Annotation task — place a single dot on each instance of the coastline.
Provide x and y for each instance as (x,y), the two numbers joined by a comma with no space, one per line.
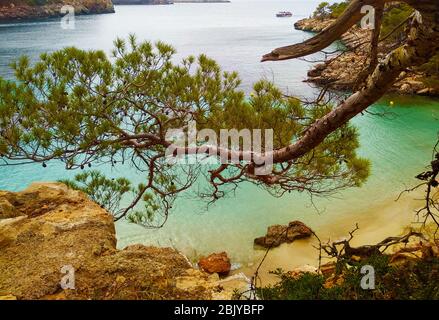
(339,72)
(202,1)
(382,220)
(22,12)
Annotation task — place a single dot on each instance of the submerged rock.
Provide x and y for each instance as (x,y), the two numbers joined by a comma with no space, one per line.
(278,234)
(53,227)
(216,263)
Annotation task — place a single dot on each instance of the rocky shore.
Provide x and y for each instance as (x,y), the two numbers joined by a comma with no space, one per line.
(48,227)
(341,72)
(18,10)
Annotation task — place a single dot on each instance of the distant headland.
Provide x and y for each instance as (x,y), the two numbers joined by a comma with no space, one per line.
(22,10)
(202,1)
(142,2)
(158,2)
(17,10)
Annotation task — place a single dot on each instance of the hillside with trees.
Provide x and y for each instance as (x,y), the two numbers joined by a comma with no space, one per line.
(16,10)
(340,70)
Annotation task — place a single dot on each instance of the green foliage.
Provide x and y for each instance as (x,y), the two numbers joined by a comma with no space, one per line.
(330,11)
(431,70)
(308,286)
(322,11)
(81,107)
(338,8)
(394,15)
(108,193)
(419,280)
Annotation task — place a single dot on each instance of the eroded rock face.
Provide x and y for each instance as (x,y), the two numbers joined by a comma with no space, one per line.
(341,72)
(27,10)
(7,210)
(48,226)
(278,234)
(216,263)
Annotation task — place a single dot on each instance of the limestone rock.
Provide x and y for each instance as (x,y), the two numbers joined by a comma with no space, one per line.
(222,289)
(7,210)
(313,25)
(298,272)
(57,227)
(278,234)
(341,72)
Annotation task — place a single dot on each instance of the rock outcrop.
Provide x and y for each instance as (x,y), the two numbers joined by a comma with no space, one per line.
(48,226)
(16,10)
(341,72)
(278,234)
(216,263)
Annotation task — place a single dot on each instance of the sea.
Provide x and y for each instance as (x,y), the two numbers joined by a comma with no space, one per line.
(237,34)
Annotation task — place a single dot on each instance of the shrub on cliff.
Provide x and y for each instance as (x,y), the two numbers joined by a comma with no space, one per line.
(419,280)
(392,25)
(431,70)
(330,11)
(394,16)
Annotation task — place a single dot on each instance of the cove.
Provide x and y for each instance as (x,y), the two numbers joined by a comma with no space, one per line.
(398,144)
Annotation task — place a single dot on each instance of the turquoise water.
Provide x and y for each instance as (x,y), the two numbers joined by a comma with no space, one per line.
(237,34)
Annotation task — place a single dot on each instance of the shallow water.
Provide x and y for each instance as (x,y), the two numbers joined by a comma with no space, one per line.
(237,35)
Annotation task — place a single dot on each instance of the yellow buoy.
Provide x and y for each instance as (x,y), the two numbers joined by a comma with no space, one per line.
(392,103)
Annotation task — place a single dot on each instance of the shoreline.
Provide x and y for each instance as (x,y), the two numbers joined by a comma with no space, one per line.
(382,220)
(339,73)
(21,12)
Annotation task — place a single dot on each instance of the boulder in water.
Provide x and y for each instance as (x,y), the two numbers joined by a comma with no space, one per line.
(278,234)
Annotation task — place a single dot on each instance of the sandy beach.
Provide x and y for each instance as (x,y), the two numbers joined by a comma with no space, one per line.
(381,220)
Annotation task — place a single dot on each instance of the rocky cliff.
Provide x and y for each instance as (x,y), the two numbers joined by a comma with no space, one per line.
(341,72)
(13,10)
(48,227)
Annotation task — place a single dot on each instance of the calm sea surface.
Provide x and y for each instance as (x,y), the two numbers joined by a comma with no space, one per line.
(236,35)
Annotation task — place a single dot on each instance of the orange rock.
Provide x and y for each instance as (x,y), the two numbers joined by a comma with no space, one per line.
(215,263)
